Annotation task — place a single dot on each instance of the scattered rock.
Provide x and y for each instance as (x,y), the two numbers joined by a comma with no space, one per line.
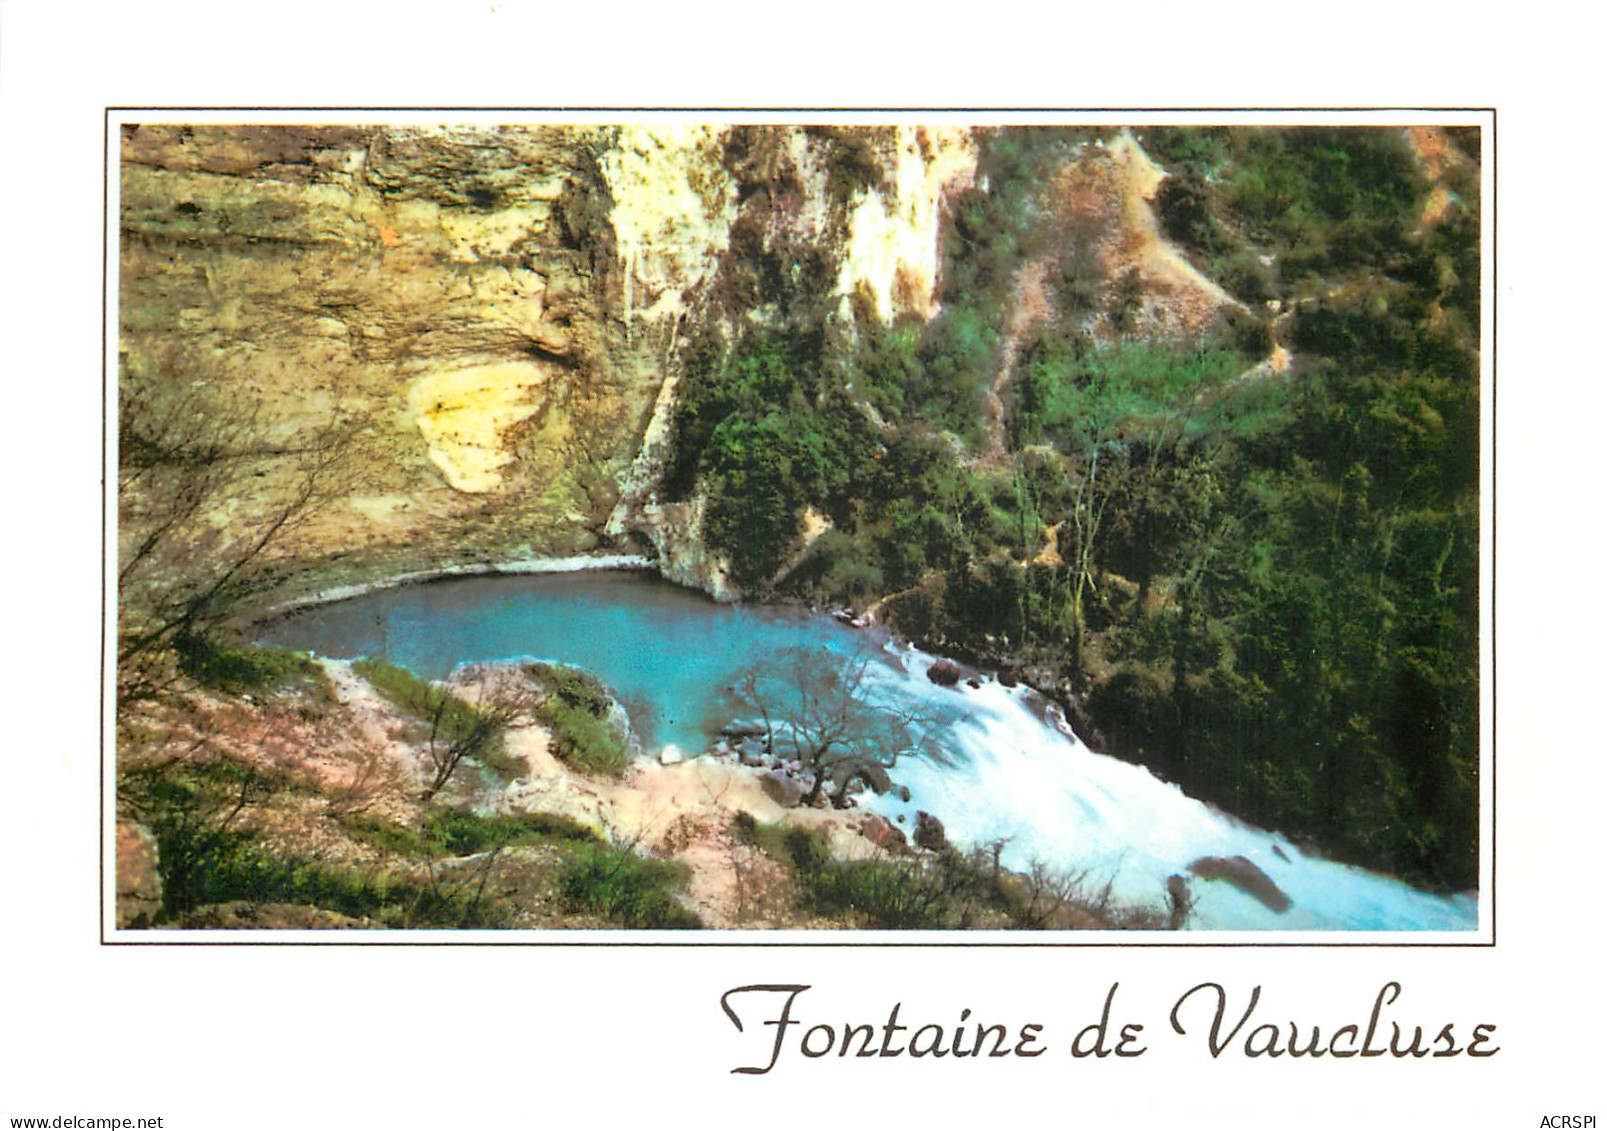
(883,835)
(1073,720)
(781,789)
(740,730)
(670,755)
(1007,678)
(750,753)
(974,684)
(944,673)
(139,885)
(1280,853)
(1243,874)
(865,774)
(904,795)
(929,832)
(1180,901)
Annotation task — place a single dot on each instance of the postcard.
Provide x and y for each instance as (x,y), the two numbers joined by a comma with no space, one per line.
(896,604)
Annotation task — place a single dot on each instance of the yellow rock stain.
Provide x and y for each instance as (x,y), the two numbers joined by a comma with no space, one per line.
(464,416)
(893,241)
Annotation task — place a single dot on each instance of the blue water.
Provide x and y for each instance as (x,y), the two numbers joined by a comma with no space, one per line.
(668,653)
(1000,768)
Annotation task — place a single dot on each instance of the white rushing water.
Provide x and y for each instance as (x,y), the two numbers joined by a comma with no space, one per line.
(1036,787)
(998,771)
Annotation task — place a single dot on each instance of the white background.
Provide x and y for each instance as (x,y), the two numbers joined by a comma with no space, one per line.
(248,1037)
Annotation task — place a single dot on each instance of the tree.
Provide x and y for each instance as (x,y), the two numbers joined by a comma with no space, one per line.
(461,729)
(818,706)
(200,514)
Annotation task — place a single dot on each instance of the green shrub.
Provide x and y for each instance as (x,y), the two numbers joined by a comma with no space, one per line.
(770,837)
(400,687)
(206,855)
(902,894)
(576,712)
(1184,205)
(238,670)
(585,741)
(462,832)
(387,836)
(631,890)
(455,719)
(909,893)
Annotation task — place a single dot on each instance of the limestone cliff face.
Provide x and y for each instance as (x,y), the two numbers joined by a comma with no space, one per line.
(756,199)
(502,308)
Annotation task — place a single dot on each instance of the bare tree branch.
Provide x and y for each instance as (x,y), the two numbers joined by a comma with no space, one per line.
(818,706)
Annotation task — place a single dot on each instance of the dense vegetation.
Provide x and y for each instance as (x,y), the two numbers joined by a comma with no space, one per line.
(631,890)
(1266,589)
(236,669)
(935,891)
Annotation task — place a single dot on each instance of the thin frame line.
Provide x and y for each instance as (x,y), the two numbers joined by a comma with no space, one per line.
(825,944)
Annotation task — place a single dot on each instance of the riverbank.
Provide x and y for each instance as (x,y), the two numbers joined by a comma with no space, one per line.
(576,563)
(320,805)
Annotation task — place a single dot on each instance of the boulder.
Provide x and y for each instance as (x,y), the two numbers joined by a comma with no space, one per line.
(1243,874)
(857,775)
(740,730)
(944,673)
(1083,725)
(781,789)
(1179,900)
(929,832)
(883,835)
(670,755)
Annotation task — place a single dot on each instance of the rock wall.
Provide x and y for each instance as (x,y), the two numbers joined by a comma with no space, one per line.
(501,309)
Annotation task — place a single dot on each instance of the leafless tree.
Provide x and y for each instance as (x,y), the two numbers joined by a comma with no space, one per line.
(370,776)
(199,514)
(468,716)
(817,704)
(1045,891)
